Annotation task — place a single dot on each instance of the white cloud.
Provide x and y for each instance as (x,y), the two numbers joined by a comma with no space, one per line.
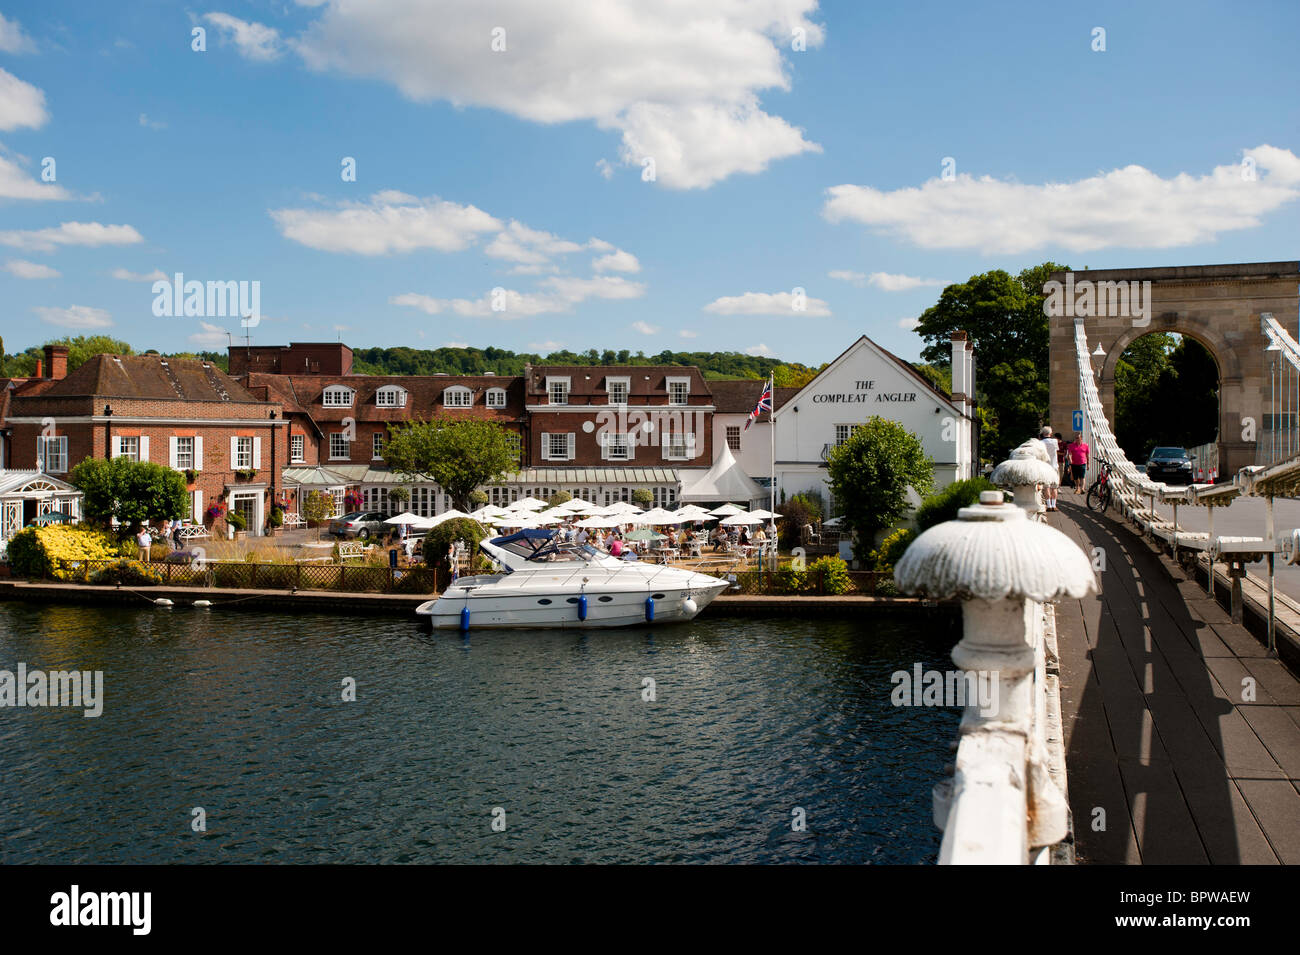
(456,345)
(605,168)
(618,261)
(21,104)
(388,222)
(254,41)
(891,282)
(687,333)
(71,233)
(74,316)
(845,275)
(680,81)
(12,37)
(148,123)
(30,270)
(528,247)
(544,347)
(907,324)
(209,336)
(128,276)
(1130,207)
(764,303)
(760,351)
(16,184)
(560,294)
(644,328)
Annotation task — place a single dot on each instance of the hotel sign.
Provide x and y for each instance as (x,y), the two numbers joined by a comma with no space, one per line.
(864,391)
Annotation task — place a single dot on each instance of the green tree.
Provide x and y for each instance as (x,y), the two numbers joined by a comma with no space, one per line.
(1003,315)
(457,454)
(642,497)
(317,508)
(130,491)
(870,474)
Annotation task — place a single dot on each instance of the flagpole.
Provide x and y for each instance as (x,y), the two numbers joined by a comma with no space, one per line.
(771,427)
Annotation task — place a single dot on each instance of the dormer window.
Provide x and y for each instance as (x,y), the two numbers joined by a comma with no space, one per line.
(390,396)
(457,396)
(618,389)
(337,396)
(496,397)
(679,391)
(557,391)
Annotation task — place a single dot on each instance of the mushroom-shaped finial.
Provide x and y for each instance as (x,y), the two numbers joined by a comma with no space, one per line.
(993,552)
(1022,471)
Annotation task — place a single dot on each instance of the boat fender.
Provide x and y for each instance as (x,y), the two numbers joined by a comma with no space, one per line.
(464,618)
(650,609)
(582,606)
(203,603)
(689,606)
(162,602)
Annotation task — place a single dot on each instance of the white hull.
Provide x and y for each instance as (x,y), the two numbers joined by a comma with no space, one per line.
(546,601)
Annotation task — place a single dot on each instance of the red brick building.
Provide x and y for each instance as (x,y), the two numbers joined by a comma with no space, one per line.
(181,413)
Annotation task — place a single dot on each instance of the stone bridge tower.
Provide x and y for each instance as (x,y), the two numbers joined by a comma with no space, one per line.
(1218,305)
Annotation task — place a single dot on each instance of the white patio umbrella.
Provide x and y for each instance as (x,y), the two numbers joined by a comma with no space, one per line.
(657,515)
(738,519)
(622,507)
(576,506)
(427,522)
(486,513)
(763,514)
(726,510)
(406,517)
(833,522)
(600,521)
(693,512)
(528,504)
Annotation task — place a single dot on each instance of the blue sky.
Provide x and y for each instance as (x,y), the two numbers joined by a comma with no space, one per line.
(521,169)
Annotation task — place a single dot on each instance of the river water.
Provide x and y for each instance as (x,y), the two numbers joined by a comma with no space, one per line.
(549,734)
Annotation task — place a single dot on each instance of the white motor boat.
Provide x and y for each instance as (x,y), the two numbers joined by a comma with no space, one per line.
(548,583)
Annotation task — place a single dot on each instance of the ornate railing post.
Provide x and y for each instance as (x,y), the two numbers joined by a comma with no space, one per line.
(1023,472)
(1001,801)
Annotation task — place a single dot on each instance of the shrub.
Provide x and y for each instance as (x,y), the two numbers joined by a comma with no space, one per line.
(559,497)
(398,496)
(37,551)
(129,572)
(277,517)
(439,539)
(885,587)
(236,520)
(891,549)
(788,580)
(643,497)
(944,505)
(833,574)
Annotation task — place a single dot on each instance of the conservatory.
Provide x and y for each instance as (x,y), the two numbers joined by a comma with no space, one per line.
(28,495)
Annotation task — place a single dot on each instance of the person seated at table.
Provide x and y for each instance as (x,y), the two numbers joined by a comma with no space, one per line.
(671,540)
(615,547)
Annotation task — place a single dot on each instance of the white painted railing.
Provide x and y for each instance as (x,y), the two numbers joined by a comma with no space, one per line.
(1006,800)
(1136,495)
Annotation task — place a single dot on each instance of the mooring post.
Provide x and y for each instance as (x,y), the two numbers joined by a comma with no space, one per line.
(1001,801)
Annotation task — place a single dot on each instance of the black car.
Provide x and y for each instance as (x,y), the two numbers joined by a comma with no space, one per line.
(1171,465)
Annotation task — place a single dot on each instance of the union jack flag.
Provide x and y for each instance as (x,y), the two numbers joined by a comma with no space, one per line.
(764,404)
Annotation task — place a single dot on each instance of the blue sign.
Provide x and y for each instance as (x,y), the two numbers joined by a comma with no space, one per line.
(1076,422)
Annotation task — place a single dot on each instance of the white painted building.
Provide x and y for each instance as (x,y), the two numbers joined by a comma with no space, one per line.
(864,382)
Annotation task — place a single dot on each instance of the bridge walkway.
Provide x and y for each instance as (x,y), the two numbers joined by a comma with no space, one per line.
(1157,733)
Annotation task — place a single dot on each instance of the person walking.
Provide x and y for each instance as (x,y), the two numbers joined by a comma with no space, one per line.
(1078,451)
(1053,453)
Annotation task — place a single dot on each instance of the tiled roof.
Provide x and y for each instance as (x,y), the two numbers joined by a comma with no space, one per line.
(740,397)
(149,376)
(643,380)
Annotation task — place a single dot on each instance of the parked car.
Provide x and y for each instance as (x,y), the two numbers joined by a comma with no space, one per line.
(362,525)
(1171,465)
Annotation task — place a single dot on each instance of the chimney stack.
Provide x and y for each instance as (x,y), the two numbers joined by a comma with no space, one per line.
(56,361)
(960,384)
(40,369)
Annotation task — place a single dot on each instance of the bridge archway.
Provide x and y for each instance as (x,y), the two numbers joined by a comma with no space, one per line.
(1218,305)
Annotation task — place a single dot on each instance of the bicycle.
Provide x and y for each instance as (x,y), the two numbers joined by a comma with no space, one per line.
(1099,492)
